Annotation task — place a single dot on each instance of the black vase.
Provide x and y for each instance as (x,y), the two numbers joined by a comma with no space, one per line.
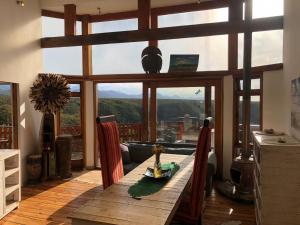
(151,60)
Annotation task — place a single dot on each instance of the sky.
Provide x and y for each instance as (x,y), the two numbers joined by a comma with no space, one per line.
(126,58)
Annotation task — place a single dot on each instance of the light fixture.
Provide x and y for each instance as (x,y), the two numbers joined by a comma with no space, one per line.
(99,10)
(20,3)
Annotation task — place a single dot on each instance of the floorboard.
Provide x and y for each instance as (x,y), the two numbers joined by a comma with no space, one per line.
(51,202)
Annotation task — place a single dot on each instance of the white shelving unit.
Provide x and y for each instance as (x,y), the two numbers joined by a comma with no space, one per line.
(276,180)
(10,192)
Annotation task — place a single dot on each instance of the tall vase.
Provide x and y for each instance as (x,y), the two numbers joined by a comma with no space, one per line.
(47,137)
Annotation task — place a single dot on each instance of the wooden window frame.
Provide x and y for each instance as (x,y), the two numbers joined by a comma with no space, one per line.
(82,135)
(237,93)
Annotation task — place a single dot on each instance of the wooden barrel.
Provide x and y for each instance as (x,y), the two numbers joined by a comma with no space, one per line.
(34,168)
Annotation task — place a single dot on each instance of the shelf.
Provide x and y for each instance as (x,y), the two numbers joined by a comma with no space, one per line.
(11,205)
(10,172)
(10,188)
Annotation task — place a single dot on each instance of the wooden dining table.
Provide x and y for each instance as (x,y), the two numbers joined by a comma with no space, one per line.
(115,206)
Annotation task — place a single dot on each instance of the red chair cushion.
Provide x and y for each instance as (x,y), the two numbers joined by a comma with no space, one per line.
(110,153)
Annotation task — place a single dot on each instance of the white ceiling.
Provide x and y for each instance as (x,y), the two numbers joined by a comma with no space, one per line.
(107,6)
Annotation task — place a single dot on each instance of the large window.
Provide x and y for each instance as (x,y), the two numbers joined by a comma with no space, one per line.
(116,25)
(179,116)
(197,17)
(267,8)
(124,100)
(213,51)
(70,123)
(8,116)
(122,58)
(255,110)
(267,48)
(67,60)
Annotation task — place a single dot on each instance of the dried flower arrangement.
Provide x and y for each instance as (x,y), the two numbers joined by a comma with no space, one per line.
(50,93)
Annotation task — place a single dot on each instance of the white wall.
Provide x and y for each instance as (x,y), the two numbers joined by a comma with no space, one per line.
(90,123)
(291,52)
(274,104)
(227,125)
(20,62)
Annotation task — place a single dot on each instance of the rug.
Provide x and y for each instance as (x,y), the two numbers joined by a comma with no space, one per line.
(232,223)
(147,186)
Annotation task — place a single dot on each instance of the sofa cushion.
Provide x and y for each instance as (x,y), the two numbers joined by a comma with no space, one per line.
(140,152)
(125,154)
(179,151)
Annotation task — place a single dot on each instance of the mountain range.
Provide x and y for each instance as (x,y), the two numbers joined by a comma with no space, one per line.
(119,94)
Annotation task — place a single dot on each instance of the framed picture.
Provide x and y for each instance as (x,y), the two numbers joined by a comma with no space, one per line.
(184,63)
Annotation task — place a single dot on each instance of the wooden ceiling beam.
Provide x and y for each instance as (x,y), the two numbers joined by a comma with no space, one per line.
(70,19)
(199,30)
(235,14)
(144,14)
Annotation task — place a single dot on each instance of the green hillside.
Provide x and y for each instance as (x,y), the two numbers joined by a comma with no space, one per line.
(5,110)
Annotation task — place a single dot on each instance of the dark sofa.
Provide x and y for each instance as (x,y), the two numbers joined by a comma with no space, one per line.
(136,153)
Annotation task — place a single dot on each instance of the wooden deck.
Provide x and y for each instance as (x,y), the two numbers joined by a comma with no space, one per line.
(51,203)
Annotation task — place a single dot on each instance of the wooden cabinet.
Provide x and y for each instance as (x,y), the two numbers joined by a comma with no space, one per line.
(276,180)
(10,194)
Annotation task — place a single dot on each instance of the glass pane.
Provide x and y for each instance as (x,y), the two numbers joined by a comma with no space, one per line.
(71,117)
(6,116)
(254,116)
(240,122)
(118,58)
(53,27)
(213,115)
(179,116)
(66,61)
(267,48)
(213,51)
(74,87)
(124,100)
(189,18)
(117,25)
(267,8)
(255,84)
(71,125)
(255,113)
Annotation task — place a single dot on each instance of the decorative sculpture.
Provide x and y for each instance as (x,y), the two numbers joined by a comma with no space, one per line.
(157,150)
(151,60)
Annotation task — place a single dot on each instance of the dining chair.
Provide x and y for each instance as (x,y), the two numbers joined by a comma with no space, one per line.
(191,207)
(109,149)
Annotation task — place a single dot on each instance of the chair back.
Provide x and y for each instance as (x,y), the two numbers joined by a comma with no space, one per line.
(200,169)
(109,149)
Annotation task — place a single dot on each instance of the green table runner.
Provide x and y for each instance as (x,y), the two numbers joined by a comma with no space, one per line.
(147,186)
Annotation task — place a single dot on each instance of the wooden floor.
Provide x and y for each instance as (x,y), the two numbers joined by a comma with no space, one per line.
(52,202)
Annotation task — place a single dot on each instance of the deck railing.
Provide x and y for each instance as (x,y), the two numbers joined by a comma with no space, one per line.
(130,132)
(127,132)
(6,136)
